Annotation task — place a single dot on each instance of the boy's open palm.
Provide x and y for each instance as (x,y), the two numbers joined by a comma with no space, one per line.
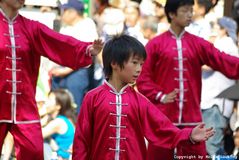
(200,133)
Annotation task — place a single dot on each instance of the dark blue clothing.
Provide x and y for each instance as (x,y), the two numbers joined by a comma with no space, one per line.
(77,83)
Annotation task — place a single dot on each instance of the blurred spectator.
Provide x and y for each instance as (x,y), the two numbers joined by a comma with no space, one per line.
(84,29)
(235,153)
(216,111)
(132,20)
(163,24)
(147,7)
(235,11)
(200,26)
(149,27)
(59,106)
(216,11)
(236,143)
(109,18)
(132,14)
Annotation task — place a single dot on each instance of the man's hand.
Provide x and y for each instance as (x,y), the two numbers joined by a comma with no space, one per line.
(96,47)
(200,133)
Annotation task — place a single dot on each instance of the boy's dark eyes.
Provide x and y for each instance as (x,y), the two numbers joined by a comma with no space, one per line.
(138,62)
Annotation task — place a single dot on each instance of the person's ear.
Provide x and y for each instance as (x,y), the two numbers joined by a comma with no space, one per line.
(114,65)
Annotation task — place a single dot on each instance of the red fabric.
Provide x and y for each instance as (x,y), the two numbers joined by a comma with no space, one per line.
(160,71)
(32,40)
(28,141)
(185,150)
(139,118)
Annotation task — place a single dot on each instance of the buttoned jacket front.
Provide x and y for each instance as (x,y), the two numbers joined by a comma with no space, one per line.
(175,62)
(22,43)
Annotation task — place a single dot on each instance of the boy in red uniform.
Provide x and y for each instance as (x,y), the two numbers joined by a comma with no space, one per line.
(171,75)
(115,118)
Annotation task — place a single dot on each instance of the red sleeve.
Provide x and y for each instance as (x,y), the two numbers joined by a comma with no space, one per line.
(146,81)
(84,132)
(217,60)
(62,49)
(159,130)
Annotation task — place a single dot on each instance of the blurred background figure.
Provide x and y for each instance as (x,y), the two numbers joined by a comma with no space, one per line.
(75,24)
(132,20)
(61,126)
(217,111)
(200,26)
(149,27)
(163,24)
(236,143)
(109,17)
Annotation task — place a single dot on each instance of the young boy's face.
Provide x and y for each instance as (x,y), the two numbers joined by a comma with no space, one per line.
(131,70)
(183,17)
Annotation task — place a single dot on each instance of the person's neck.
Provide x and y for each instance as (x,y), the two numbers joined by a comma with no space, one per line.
(176,29)
(9,13)
(116,83)
(55,114)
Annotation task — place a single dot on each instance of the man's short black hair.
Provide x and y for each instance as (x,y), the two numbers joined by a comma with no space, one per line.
(172,6)
(119,49)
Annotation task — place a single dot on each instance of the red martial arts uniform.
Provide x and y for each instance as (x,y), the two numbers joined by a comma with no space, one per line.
(112,125)
(175,63)
(22,42)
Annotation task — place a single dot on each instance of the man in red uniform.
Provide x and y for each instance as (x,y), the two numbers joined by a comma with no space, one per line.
(171,75)
(22,42)
(114,118)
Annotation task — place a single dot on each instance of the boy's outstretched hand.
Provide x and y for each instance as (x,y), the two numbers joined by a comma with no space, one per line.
(200,133)
(96,47)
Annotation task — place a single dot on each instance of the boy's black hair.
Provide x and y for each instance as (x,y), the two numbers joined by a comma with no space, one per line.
(172,6)
(119,49)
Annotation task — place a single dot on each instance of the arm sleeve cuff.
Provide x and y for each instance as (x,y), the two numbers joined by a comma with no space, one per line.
(88,50)
(158,96)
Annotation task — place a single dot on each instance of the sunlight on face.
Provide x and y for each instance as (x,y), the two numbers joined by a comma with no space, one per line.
(51,102)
